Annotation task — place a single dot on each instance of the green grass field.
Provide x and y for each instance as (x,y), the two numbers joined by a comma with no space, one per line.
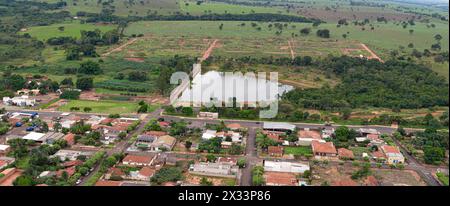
(302,150)
(106,107)
(443,178)
(222,8)
(72,29)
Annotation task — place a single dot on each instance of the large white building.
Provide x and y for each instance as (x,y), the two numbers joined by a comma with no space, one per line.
(21,101)
(292,167)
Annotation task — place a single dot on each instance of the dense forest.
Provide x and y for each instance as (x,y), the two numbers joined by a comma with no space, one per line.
(394,84)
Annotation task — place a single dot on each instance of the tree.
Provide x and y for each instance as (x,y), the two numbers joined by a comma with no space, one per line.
(343,134)
(87,109)
(138,76)
(258,176)
(110,161)
(437,37)
(241,162)
(345,113)
(167,174)
(90,68)
(434,155)
(24,180)
(188,145)
(211,158)
(305,31)
(204,182)
(264,142)
(85,83)
(323,33)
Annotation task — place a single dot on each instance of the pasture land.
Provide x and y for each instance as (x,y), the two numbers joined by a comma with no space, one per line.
(70,28)
(193,8)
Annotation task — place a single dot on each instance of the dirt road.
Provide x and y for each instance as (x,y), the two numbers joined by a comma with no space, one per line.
(209,50)
(373,55)
(129,42)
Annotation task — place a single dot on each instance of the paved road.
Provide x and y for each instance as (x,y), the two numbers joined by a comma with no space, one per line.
(413,164)
(251,155)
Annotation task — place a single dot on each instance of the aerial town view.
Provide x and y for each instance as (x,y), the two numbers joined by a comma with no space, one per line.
(172,93)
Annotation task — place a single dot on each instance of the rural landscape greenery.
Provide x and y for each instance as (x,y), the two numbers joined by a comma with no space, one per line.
(351,62)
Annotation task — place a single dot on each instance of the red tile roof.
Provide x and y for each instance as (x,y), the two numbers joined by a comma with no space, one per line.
(234,126)
(147,171)
(232,160)
(106,121)
(114,171)
(373,136)
(164,124)
(309,134)
(323,147)
(72,163)
(280,178)
(342,152)
(137,159)
(2,163)
(277,150)
(389,149)
(156,133)
(378,154)
(70,138)
(70,171)
(108,183)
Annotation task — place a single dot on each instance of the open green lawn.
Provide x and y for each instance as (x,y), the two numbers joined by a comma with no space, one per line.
(106,107)
(302,150)
(443,178)
(71,28)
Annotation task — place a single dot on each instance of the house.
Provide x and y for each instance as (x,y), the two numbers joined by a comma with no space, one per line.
(28,92)
(162,143)
(323,149)
(70,139)
(35,136)
(393,154)
(6,161)
(108,183)
(155,133)
(280,179)
(22,101)
(328,133)
(234,126)
(72,163)
(70,171)
(275,136)
(291,167)
(278,126)
(306,136)
(378,156)
(71,154)
(214,169)
(9,175)
(375,139)
(51,137)
(275,151)
(164,124)
(68,123)
(46,174)
(345,154)
(144,174)
(225,144)
(209,134)
(231,135)
(211,115)
(141,161)
(4,149)
(365,131)
(143,140)
(227,160)
(115,172)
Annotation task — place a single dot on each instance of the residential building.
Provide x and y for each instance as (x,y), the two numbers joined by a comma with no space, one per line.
(209,134)
(144,174)
(393,154)
(280,179)
(328,133)
(6,161)
(71,154)
(22,101)
(345,154)
(278,126)
(227,160)
(323,149)
(211,115)
(234,126)
(35,136)
(306,136)
(4,149)
(214,169)
(140,161)
(70,139)
(275,151)
(162,143)
(291,167)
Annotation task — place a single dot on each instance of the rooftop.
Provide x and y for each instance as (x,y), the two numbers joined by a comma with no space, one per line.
(279,126)
(280,178)
(323,147)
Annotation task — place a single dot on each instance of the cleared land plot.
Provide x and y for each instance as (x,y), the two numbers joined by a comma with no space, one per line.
(106,107)
(298,150)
